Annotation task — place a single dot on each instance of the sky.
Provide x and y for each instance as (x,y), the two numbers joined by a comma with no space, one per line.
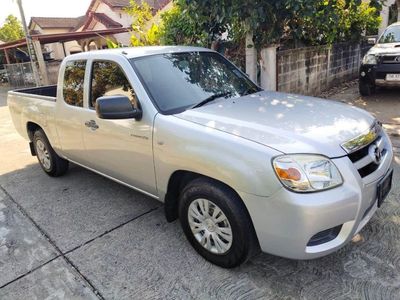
(44,8)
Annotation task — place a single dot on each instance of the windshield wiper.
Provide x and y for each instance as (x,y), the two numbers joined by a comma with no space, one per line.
(211,98)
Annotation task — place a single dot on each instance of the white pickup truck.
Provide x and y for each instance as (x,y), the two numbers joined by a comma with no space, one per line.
(243,169)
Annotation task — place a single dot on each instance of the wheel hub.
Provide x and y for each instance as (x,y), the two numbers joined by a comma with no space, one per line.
(210,226)
(43,154)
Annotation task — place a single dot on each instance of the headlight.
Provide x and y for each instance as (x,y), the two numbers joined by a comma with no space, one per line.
(370,59)
(307,172)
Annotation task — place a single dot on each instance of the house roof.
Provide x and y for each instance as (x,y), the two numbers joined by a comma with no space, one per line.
(117,3)
(81,21)
(101,18)
(155,4)
(63,37)
(45,22)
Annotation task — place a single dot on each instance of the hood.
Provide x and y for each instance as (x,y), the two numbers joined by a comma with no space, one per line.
(382,49)
(285,122)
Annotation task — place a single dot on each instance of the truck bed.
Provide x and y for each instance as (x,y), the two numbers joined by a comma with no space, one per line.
(44,92)
(34,105)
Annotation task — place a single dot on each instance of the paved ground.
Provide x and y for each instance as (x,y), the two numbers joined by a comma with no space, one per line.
(84,237)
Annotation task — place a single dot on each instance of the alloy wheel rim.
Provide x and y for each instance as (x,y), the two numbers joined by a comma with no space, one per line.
(43,154)
(210,226)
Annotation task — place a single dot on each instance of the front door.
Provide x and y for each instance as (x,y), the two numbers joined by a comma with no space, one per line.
(121,149)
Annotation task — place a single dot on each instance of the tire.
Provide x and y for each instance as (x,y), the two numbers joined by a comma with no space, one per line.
(365,88)
(222,249)
(51,163)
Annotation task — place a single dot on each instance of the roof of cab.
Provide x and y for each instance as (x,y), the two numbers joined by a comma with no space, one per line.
(133,52)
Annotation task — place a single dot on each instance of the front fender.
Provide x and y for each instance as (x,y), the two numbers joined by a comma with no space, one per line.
(242,164)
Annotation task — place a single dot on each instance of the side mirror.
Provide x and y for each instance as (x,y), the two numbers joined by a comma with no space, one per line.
(371,41)
(116,107)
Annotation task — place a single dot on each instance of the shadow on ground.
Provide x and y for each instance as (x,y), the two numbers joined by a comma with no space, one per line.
(384,104)
(119,241)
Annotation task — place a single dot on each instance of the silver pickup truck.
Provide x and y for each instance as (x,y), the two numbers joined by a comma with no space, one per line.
(243,169)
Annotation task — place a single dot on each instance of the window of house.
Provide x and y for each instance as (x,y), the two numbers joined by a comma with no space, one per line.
(108,79)
(74,78)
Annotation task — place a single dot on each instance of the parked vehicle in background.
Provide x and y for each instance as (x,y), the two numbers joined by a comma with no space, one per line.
(381,65)
(242,168)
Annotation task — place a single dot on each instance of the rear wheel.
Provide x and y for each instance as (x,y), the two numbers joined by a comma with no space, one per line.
(48,159)
(216,223)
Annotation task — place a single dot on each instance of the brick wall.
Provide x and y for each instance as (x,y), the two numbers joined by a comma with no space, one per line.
(312,70)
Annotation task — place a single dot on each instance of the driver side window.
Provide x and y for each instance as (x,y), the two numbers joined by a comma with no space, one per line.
(108,79)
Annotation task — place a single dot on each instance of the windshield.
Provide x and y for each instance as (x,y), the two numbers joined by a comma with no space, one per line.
(178,81)
(391,35)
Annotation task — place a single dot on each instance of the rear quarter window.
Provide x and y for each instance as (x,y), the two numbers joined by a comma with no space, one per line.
(74,77)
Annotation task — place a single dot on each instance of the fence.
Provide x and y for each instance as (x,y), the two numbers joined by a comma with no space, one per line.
(21,75)
(311,70)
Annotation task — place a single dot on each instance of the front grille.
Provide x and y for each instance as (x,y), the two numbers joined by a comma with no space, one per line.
(390,59)
(364,160)
(368,169)
(357,155)
(324,236)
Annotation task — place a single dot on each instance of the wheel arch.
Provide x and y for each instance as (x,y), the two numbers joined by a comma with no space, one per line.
(177,181)
(31,127)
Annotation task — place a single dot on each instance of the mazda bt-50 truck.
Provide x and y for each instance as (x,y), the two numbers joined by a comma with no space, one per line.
(243,169)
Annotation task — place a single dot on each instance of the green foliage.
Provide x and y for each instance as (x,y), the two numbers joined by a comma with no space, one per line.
(111,44)
(179,28)
(328,22)
(306,22)
(11,30)
(143,32)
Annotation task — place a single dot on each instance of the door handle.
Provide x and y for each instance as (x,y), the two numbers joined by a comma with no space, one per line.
(92,124)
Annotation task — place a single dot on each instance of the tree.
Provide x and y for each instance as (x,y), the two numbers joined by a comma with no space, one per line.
(178,28)
(11,30)
(144,33)
(264,23)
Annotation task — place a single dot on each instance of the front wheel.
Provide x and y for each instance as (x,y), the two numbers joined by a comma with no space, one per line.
(216,223)
(365,88)
(48,159)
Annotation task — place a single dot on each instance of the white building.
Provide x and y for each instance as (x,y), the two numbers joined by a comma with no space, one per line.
(39,25)
(101,14)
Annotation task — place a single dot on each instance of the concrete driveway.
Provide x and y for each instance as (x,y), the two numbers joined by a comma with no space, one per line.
(384,105)
(82,236)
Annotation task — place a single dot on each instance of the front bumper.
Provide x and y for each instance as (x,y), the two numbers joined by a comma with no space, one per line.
(286,222)
(376,74)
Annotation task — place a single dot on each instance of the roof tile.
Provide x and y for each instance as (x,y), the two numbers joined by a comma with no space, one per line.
(45,22)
